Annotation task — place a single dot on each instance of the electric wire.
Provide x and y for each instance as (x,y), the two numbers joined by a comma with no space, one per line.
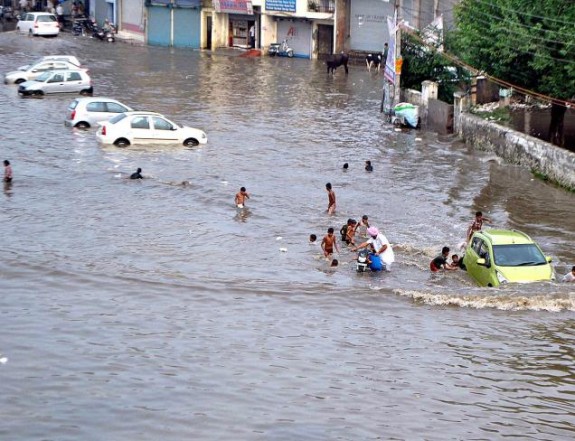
(565,103)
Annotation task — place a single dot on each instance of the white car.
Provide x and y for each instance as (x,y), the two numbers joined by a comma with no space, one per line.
(86,112)
(33,72)
(147,127)
(58,81)
(69,58)
(38,23)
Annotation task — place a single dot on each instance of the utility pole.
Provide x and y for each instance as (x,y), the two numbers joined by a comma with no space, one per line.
(397,89)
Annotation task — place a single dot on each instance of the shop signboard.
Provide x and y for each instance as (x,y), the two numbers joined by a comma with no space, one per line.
(234,6)
(281,5)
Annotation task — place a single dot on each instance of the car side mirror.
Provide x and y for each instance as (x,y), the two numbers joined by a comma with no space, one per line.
(34,70)
(549,259)
(481,262)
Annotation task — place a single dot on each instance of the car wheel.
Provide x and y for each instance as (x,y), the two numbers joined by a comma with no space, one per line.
(85,92)
(191,142)
(82,125)
(122,142)
(19,81)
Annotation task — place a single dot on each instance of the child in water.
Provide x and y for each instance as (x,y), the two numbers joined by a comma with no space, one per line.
(241,197)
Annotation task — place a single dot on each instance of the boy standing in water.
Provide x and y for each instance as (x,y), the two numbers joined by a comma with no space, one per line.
(328,243)
(331,199)
(476,224)
(241,197)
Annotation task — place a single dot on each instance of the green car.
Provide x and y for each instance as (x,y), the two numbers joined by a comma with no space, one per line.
(494,257)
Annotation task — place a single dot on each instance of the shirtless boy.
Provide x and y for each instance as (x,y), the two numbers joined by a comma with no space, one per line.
(241,197)
(331,199)
(328,243)
(476,224)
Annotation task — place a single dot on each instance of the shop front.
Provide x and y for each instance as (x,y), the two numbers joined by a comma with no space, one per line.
(242,22)
(174,23)
(298,34)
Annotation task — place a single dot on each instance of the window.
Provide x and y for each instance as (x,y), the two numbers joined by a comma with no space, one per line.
(74,76)
(161,124)
(115,108)
(46,18)
(140,122)
(96,107)
(117,118)
(58,78)
(29,17)
(476,244)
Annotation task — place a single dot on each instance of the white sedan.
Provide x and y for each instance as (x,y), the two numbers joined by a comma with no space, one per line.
(145,128)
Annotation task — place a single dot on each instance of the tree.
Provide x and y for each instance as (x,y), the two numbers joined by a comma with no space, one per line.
(529,43)
(423,62)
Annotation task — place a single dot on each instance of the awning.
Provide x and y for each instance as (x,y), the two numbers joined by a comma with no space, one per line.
(234,6)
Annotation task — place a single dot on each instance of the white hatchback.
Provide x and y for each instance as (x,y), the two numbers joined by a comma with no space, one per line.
(86,112)
(147,128)
(38,23)
(33,72)
(58,81)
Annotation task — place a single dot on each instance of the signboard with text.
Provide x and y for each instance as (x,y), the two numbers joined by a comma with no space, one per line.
(234,6)
(281,5)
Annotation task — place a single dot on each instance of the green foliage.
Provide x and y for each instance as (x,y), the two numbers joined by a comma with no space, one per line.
(421,63)
(530,43)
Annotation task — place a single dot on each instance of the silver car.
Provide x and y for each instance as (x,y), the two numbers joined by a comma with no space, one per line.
(86,112)
(58,81)
(33,72)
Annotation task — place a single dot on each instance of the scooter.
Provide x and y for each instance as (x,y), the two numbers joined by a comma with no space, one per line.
(281,50)
(362,263)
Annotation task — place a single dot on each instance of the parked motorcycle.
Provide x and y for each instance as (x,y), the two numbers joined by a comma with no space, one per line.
(281,50)
(90,27)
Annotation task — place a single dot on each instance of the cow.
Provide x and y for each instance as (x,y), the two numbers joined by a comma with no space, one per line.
(373,60)
(337,60)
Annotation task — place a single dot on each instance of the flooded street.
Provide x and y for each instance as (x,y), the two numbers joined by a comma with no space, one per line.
(154,310)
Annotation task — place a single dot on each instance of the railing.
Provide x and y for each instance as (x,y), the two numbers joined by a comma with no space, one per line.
(321,6)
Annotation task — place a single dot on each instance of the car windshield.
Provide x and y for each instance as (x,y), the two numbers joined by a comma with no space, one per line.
(45,76)
(518,255)
(117,118)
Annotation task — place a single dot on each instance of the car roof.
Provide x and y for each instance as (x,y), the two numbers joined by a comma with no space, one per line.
(506,237)
(95,98)
(136,112)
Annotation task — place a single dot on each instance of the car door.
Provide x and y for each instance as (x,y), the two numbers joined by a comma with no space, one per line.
(55,83)
(140,129)
(74,82)
(26,23)
(164,130)
(96,111)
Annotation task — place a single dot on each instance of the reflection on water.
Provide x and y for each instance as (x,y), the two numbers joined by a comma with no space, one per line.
(134,307)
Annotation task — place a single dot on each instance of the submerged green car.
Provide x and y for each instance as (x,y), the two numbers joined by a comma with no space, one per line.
(494,257)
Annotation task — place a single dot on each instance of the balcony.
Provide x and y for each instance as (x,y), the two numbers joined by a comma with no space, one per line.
(321,6)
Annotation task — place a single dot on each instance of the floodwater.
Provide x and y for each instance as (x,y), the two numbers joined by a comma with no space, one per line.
(154,310)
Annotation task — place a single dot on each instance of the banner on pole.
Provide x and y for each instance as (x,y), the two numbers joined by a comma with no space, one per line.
(389,71)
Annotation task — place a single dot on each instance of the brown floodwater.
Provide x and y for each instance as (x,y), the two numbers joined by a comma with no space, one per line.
(154,310)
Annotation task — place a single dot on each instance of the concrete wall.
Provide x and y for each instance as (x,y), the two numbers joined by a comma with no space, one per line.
(556,163)
(439,116)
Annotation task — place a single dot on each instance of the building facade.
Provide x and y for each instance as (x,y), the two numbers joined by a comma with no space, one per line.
(312,28)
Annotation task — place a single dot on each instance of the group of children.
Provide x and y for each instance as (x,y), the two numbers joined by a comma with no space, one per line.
(441,262)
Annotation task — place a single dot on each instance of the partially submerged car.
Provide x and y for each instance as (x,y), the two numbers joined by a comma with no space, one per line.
(86,112)
(494,257)
(69,58)
(34,71)
(58,81)
(147,128)
(38,23)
